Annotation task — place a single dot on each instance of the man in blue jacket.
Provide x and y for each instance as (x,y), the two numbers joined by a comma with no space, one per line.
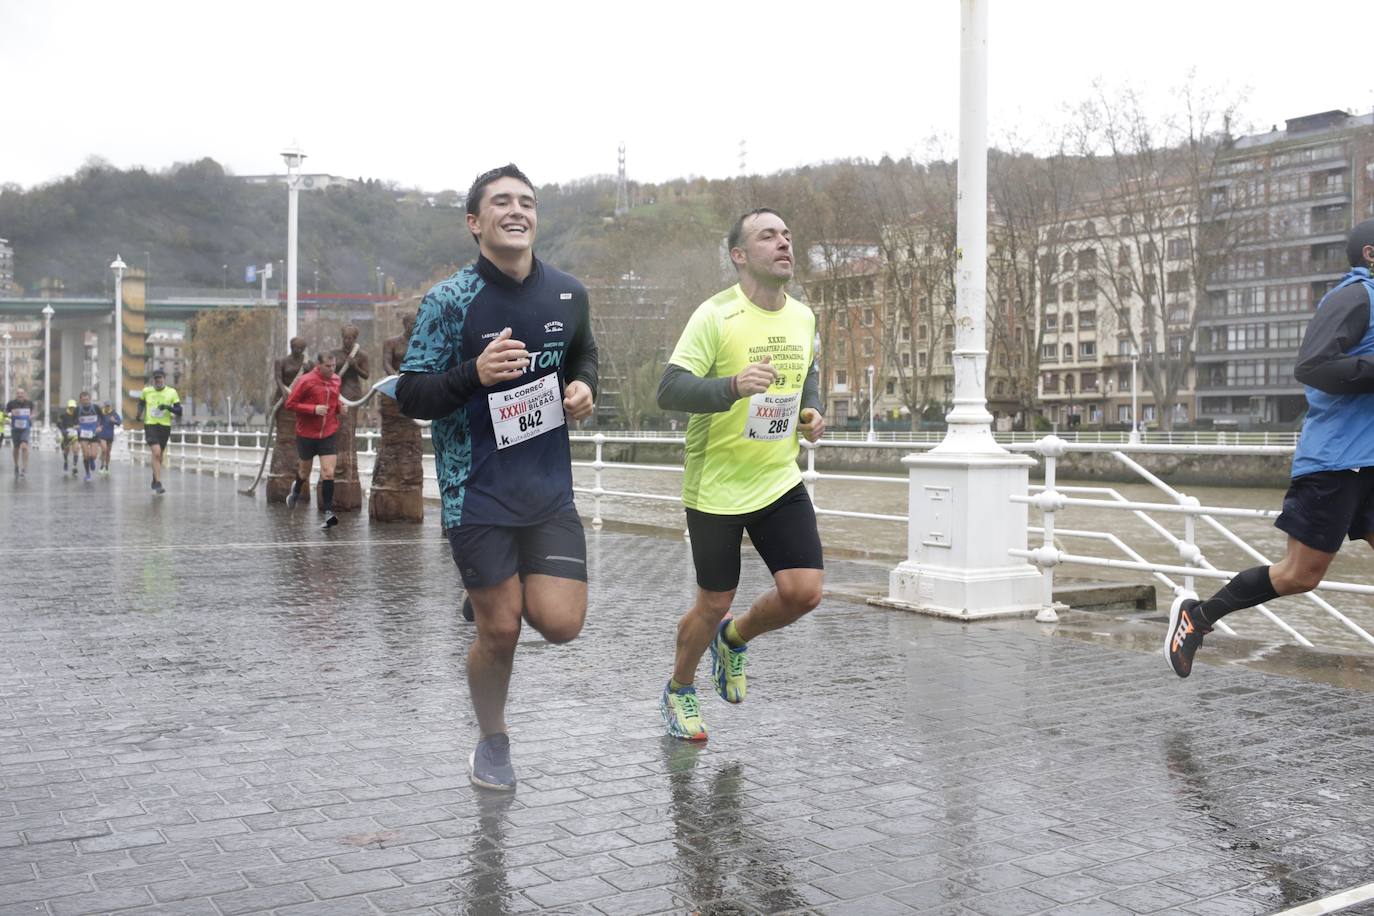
(1331,497)
(501,358)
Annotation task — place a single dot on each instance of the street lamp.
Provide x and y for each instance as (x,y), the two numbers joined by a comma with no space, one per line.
(380,275)
(7,340)
(293,158)
(225,268)
(117,400)
(871,437)
(1135,421)
(47,367)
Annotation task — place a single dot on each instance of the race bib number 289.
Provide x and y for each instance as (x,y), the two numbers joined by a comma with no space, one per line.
(525,412)
(772,416)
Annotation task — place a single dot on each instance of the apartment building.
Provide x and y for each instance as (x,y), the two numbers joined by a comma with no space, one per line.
(1296,193)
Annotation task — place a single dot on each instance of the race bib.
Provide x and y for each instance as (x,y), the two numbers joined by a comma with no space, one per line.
(525,412)
(772,416)
(20,419)
(159,412)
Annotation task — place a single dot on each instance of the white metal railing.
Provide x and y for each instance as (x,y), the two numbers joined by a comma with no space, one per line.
(238,454)
(1051,498)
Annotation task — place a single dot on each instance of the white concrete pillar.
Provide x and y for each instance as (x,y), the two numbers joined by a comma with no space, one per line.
(961,521)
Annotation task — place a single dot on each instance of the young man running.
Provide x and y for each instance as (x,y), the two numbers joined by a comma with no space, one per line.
(315,399)
(156,406)
(501,356)
(1331,497)
(108,421)
(20,409)
(66,438)
(87,428)
(745,369)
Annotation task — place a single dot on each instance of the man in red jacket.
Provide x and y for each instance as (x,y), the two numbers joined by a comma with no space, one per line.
(315,399)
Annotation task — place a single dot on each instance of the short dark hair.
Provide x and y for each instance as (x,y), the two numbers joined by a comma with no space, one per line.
(732,240)
(1360,236)
(325,355)
(159,372)
(509,170)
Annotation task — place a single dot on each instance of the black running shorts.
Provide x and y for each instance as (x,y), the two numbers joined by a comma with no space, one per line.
(784,534)
(157,434)
(1323,509)
(307,448)
(488,555)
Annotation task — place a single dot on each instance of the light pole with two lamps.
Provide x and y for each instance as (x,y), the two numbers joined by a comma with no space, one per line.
(6,338)
(47,367)
(871,436)
(293,157)
(117,401)
(1135,417)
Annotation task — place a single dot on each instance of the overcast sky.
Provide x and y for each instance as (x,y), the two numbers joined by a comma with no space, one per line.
(428,94)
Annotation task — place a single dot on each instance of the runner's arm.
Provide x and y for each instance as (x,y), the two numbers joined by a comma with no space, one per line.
(142,406)
(584,356)
(1336,327)
(679,389)
(811,389)
(434,395)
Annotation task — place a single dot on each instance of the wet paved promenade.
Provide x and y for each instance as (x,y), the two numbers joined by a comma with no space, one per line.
(209,706)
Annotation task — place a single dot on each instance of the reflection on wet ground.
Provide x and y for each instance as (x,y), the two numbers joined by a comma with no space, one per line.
(208,705)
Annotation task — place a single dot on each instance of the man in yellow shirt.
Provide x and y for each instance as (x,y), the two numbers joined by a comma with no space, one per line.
(158,403)
(745,369)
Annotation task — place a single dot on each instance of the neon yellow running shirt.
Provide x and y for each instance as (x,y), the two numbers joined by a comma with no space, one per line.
(745,458)
(159,405)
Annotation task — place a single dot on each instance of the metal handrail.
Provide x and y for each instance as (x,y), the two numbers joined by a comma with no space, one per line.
(237,453)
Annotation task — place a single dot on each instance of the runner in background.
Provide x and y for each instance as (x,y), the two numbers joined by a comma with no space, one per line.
(108,421)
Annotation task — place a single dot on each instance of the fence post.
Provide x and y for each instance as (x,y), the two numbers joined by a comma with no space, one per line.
(1049,500)
(597,490)
(809,475)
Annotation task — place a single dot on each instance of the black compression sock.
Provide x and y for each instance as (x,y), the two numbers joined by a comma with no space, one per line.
(1247,589)
(296,486)
(327,495)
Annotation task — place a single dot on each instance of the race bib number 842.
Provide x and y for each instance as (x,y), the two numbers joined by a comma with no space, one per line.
(525,412)
(772,416)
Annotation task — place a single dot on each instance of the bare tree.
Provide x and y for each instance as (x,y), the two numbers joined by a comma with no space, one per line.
(1169,222)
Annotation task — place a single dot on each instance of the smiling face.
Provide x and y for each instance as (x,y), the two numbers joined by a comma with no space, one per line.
(765,249)
(506,220)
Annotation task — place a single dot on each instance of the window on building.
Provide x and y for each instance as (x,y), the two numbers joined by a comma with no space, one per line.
(1177,248)
(905,333)
(1287,334)
(946,357)
(1151,285)
(868,347)
(1046,264)
(1051,294)
(1068,321)
(1068,260)
(949,332)
(842,318)
(891,386)
(1124,226)
(841,378)
(1123,413)
(1049,352)
(1087,349)
(841,347)
(1087,321)
(921,360)
(1087,259)
(1123,379)
(868,318)
(1123,256)
(1089,381)
(1087,290)
(1068,352)
(1067,292)
(922,332)
(1051,321)
(1178,281)
(1147,413)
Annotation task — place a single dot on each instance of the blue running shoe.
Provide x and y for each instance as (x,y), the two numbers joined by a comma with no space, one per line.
(489,765)
(727,666)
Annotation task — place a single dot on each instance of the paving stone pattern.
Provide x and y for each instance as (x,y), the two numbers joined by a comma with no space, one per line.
(209,706)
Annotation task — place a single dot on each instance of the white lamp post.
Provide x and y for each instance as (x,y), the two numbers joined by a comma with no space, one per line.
(7,340)
(958,564)
(871,436)
(47,367)
(117,401)
(1135,417)
(293,157)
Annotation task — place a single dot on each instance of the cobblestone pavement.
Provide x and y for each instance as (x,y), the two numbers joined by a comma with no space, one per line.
(210,706)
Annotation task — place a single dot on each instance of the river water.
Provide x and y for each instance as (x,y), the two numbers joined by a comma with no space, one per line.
(885,541)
